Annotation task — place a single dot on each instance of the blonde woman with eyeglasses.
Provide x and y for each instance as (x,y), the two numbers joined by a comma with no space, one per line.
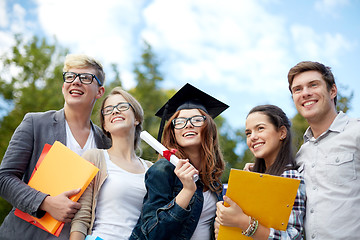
(112,203)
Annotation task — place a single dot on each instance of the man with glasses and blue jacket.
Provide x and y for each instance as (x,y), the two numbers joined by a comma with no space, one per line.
(83,85)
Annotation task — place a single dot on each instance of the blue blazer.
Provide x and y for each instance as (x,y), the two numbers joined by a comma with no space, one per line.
(18,163)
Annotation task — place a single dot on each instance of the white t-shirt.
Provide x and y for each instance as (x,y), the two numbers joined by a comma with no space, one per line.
(119,202)
(74,146)
(203,229)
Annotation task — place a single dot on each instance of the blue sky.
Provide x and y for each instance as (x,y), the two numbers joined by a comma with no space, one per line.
(239,51)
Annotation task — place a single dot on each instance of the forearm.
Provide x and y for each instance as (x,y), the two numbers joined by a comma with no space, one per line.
(20,195)
(184,197)
(82,221)
(77,236)
(262,233)
(259,233)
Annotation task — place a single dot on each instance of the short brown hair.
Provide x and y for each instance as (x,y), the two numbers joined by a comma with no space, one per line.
(313,66)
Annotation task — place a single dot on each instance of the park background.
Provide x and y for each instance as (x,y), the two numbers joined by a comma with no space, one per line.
(239,51)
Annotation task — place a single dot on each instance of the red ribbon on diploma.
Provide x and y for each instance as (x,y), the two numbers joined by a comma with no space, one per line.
(167,153)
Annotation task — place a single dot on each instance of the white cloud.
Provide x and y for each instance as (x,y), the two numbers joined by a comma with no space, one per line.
(239,50)
(312,45)
(6,40)
(330,7)
(12,21)
(105,31)
(226,43)
(4,21)
(18,22)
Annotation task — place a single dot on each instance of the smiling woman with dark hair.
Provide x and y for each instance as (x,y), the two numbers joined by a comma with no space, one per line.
(268,137)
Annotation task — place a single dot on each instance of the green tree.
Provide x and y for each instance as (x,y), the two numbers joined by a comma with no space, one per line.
(229,141)
(30,80)
(149,94)
(35,85)
(109,85)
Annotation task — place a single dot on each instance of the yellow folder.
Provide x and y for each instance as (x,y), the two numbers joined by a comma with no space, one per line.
(267,198)
(60,170)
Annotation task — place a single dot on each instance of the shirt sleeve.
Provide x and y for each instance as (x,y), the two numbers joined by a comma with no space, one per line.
(295,228)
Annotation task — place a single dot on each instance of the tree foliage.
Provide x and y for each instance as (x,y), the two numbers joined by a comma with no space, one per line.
(149,94)
(29,81)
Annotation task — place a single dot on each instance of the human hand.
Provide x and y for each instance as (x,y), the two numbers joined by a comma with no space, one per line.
(216,228)
(249,167)
(184,170)
(61,207)
(232,216)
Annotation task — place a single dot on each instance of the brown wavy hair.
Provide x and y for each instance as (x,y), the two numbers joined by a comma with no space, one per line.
(212,163)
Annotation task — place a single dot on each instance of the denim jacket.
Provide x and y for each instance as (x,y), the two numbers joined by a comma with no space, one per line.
(161,216)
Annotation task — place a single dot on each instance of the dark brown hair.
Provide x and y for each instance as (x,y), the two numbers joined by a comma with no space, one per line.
(285,159)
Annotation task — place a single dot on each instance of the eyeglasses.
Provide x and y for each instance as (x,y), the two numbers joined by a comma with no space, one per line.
(85,78)
(122,106)
(196,121)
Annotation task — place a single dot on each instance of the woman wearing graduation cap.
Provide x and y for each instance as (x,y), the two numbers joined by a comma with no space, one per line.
(176,207)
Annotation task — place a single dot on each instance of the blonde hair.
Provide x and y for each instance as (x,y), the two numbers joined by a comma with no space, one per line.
(84,61)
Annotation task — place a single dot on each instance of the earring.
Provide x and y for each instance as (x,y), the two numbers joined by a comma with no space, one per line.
(282,138)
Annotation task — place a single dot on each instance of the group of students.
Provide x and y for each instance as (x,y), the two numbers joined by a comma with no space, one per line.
(131,198)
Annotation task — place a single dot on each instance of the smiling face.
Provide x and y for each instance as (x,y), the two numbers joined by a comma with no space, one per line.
(189,136)
(119,120)
(262,137)
(77,94)
(312,98)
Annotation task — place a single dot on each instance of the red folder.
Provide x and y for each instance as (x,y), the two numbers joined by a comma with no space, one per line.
(58,169)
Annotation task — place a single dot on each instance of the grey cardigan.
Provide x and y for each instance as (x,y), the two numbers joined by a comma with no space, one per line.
(18,163)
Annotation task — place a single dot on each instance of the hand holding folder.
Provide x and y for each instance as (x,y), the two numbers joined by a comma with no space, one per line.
(267,198)
(58,170)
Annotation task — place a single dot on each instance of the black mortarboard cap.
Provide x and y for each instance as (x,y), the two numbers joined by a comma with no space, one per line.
(189,97)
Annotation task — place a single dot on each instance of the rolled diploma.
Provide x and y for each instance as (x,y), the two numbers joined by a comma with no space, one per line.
(144,135)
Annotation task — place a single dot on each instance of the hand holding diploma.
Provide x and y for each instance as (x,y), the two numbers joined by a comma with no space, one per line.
(144,135)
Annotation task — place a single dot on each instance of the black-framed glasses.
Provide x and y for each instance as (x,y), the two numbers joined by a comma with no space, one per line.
(122,106)
(85,78)
(196,121)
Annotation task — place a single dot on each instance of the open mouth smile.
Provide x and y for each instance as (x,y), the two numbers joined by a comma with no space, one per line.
(76,92)
(190,134)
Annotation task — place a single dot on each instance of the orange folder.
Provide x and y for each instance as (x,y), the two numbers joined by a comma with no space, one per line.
(267,198)
(58,170)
